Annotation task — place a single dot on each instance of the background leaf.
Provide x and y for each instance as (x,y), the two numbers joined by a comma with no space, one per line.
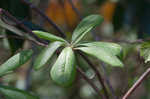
(63,71)
(145,51)
(15,61)
(46,54)
(85,26)
(102,54)
(14,93)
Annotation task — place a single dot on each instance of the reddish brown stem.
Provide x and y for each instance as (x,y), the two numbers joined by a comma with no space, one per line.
(136,85)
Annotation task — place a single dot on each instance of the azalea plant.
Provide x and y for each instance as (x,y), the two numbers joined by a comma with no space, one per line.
(73,55)
(63,71)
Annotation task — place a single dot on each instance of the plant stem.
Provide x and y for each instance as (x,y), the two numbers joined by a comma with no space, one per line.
(108,82)
(75,9)
(97,73)
(22,38)
(137,83)
(62,34)
(89,81)
(20,24)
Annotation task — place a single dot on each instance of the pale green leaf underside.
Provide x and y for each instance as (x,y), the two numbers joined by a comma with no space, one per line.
(15,61)
(46,54)
(48,36)
(113,48)
(63,71)
(102,54)
(13,93)
(85,26)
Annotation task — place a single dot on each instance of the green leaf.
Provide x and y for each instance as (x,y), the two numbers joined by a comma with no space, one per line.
(14,93)
(48,36)
(145,51)
(113,48)
(102,54)
(15,61)
(63,71)
(85,26)
(46,54)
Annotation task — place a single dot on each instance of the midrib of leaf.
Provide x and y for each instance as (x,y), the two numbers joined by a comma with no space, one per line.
(66,59)
(63,70)
(80,37)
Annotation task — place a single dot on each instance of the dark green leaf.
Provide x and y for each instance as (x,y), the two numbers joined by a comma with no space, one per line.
(63,71)
(110,47)
(46,54)
(102,54)
(48,36)
(145,51)
(14,93)
(15,61)
(85,26)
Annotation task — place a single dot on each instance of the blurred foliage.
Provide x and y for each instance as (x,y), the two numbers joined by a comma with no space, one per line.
(127,20)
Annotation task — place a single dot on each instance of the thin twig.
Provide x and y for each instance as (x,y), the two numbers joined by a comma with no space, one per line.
(62,34)
(97,73)
(136,85)
(108,82)
(3,12)
(23,38)
(75,9)
(89,81)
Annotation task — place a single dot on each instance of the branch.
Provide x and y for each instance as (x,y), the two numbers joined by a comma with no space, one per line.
(89,81)
(62,34)
(22,38)
(75,9)
(108,82)
(97,73)
(136,85)
(6,13)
